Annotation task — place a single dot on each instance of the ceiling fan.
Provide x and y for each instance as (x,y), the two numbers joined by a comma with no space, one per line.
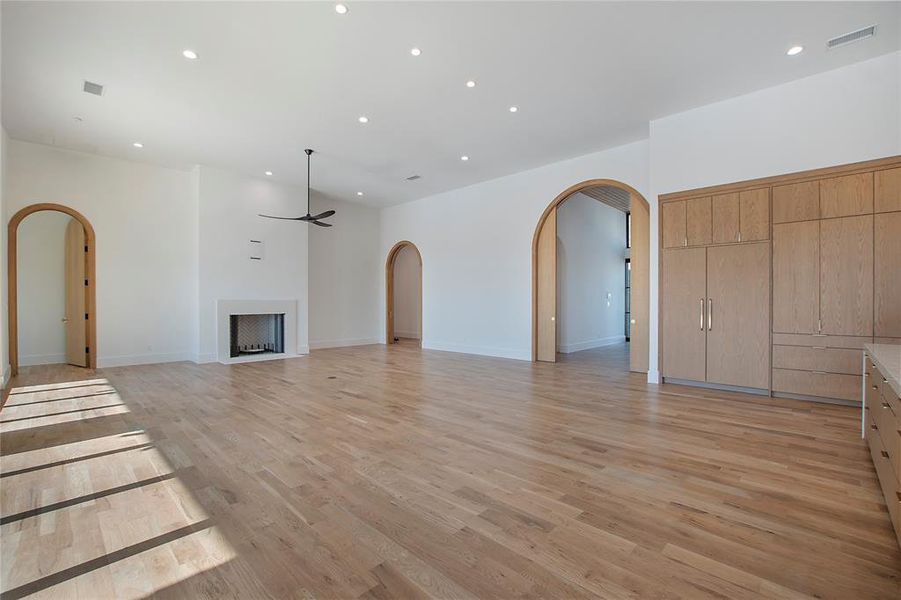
(314,219)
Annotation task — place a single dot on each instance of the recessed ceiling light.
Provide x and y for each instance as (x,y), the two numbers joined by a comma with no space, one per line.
(470,83)
(795,50)
(138,145)
(189,54)
(341,9)
(359,193)
(513,109)
(464,158)
(415,51)
(363,119)
(268,172)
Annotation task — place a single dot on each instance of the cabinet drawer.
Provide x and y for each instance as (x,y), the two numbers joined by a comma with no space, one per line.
(817,358)
(825,385)
(887,480)
(830,341)
(887,424)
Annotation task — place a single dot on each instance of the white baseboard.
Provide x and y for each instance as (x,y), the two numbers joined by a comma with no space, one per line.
(4,375)
(479,350)
(589,344)
(127,360)
(41,359)
(321,344)
(202,359)
(654,377)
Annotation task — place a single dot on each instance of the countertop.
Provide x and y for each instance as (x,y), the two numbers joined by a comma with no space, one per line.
(887,358)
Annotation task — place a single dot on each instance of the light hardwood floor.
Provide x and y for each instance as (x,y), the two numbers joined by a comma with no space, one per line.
(378,472)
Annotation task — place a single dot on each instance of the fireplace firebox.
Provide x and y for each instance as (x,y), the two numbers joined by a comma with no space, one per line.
(257,334)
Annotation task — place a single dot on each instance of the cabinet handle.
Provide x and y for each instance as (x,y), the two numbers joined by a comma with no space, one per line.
(885,405)
(875,387)
(709,314)
(702,314)
(884,453)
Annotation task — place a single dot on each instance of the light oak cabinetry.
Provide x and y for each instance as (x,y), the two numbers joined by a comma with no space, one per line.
(673,227)
(685,282)
(738,316)
(846,276)
(740,217)
(882,422)
(698,222)
(827,268)
(887,275)
(716,321)
(796,277)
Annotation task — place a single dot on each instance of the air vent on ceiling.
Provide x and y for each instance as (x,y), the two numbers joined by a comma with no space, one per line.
(854,36)
(93,88)
(413,177)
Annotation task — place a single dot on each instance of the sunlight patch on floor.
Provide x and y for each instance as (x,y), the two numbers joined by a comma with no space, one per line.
(91,515)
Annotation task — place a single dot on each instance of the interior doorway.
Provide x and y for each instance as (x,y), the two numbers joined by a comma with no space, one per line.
(601,291)
(54,250)
(403,288)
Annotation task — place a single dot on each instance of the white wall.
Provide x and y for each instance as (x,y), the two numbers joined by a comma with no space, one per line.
(229,207)
(145,218)
(345,271)
(41,265)
(476,245)
(406,294)
(591,244)
(841,116)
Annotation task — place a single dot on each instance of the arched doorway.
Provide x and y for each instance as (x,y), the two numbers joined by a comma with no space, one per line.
(544,274)
(89,319)
(412,284)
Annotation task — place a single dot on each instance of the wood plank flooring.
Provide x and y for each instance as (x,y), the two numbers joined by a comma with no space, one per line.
(393,472)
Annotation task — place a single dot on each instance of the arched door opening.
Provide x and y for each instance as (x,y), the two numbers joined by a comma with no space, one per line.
(54,250)
(590,276)
(403,289)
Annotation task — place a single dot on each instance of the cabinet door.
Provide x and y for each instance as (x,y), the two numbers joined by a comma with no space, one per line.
(796,202)
(738,315)
(683,318)
(725,218)
(846,276)
(888,190)
(796,283)
(846,196)
(672,215)
(698,221)
(887,275)
(755,215)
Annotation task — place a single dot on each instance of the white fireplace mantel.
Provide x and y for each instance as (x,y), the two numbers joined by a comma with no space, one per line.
(226,308)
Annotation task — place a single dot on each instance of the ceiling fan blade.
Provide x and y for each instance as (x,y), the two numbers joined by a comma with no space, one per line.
(324,215)
(283,218)
(306,217)
(321,224)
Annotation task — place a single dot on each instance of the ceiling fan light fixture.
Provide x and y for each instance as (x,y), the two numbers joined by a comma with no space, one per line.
(310,218)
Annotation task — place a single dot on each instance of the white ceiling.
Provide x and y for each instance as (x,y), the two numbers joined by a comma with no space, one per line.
(274,78)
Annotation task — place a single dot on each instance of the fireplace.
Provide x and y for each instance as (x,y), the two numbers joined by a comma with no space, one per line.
(252,330)
(256,334)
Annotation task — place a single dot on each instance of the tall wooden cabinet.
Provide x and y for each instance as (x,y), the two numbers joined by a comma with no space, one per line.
(796,273)
(715,322)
